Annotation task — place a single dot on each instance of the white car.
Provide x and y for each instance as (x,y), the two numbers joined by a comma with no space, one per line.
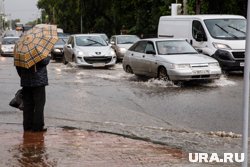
(7,46)
(171,59)
(88,50)
(121,43)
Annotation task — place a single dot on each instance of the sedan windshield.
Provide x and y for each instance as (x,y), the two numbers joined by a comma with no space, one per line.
(227,28)
(9,40)
(61,41)
(90,41)
(170,47)
(127,39)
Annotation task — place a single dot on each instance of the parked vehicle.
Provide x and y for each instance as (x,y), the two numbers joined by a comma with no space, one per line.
(57,51)
(170,59)
(7,46)
(12,33)
(219,36)
(88,50)
(121,43)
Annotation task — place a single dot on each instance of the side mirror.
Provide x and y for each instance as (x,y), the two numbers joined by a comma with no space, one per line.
(69,46)
(112,42)
(150,52)
(200,37)
(199,50)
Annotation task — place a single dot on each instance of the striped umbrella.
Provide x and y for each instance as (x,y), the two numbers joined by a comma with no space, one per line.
(35,45)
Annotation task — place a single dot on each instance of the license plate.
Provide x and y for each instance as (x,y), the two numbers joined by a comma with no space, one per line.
(98,65)
(199,72)
(242,64)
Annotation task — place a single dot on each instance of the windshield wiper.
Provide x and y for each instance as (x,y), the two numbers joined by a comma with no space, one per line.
(227,32)
(96,42)
(237,29)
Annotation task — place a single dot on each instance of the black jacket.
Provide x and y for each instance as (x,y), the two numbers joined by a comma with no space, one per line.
(34,76)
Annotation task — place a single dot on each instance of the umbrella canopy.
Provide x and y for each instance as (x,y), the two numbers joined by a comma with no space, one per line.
(35,45)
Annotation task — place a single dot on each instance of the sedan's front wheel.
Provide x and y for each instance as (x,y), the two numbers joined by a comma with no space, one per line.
(129,70)
(162,74)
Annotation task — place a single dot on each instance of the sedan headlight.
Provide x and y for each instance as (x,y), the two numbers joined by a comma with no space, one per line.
(57,50)
(213,65)
(181,66)
(221,46)
(3,48)
(123,50)
(112,52)
(79,53)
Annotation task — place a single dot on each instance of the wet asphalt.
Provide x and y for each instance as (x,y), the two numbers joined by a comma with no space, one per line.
(109,100)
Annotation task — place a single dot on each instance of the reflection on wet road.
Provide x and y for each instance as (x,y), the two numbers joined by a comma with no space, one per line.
(126,98)
(112,101)
(79,95)
(72,147)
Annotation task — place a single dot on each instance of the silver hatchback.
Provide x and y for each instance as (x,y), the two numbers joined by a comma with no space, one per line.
(88,50)
(171,59)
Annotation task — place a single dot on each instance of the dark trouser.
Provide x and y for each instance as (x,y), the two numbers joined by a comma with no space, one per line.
(33,100)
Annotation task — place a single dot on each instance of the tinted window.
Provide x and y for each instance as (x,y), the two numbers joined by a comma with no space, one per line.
(149,47)
(170,47)
(140,47)
(197,28)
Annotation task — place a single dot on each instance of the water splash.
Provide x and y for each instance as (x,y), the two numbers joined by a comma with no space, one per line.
(158,83)
(223,81)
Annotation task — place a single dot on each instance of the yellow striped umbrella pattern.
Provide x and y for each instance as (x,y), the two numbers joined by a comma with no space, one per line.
(35,45)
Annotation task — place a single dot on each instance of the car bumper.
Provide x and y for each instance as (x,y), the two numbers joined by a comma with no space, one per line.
(230,60)
(97,61)
(57,55)
(10,54)
(232,65)
(200,74)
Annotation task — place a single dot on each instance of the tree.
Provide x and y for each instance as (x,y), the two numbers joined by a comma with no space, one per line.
(135,16)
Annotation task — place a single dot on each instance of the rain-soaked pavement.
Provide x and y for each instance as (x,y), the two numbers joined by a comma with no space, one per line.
(190,117)
(64,147)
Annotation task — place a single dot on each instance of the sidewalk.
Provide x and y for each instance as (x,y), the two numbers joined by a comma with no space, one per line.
(62,147)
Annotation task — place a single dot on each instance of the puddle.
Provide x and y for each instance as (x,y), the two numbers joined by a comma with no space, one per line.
(74,147)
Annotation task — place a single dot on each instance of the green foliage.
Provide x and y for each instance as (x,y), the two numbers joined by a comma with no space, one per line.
(133,16)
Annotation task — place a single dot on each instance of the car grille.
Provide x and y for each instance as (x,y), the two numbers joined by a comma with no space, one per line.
(239,55)
(201,76)
(199,65)
(98,59)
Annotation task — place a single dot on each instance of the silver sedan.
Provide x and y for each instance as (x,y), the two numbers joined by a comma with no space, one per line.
(170,59)
(88,50)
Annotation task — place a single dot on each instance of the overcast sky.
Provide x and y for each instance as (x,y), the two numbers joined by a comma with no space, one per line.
(25,10)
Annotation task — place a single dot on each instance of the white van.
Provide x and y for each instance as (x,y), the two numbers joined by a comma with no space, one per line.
(220,36)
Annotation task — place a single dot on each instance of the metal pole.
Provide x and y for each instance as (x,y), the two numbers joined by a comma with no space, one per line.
(246,91)
(81,14)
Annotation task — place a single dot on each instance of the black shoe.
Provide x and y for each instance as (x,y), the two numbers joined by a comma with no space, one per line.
(40,130)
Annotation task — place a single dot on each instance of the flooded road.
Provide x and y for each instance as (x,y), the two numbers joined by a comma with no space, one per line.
(111,95)
(110,100)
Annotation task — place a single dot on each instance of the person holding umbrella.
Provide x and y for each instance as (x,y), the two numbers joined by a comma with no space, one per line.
(31,57)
